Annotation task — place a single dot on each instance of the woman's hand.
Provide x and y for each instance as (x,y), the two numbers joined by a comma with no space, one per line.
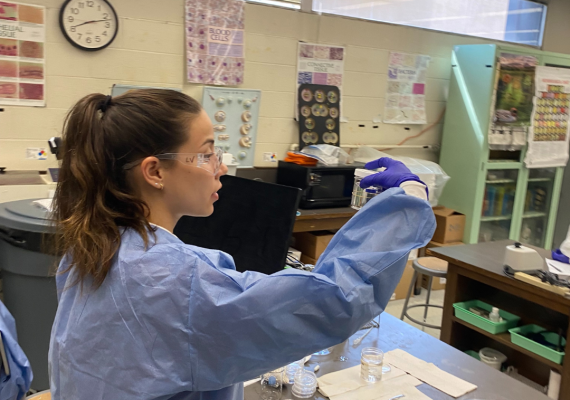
(395,174)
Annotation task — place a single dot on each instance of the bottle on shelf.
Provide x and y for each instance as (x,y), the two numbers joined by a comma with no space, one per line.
(494,315)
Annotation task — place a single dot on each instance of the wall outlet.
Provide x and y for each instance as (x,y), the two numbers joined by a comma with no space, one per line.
(270,157)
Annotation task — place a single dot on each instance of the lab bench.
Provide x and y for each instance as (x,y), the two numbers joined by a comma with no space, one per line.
(395,334)
(322,219)
(475,272)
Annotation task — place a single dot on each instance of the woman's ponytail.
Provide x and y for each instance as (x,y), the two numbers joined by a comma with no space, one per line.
(93,199)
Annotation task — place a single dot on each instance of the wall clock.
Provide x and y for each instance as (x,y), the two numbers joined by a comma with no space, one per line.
(89,24)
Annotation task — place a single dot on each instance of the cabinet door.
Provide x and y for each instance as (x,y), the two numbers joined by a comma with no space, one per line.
(498,204)
(537,206)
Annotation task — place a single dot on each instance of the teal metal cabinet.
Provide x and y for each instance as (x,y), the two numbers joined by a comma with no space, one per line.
(501,198)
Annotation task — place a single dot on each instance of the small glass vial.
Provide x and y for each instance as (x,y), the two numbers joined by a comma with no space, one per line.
(361,196)
(371,362)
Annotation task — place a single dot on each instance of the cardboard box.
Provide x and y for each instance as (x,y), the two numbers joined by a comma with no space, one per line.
(450,225)
(404,284)
(436,284)
(312,244)
(308,260)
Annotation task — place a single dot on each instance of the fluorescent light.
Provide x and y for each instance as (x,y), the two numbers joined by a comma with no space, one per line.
(278,3)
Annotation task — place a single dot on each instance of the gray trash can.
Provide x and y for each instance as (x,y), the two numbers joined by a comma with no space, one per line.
(29,283)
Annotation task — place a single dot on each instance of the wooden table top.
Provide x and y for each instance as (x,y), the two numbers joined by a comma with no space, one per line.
(488,256)
(486,259)
(395,334)
(324,213)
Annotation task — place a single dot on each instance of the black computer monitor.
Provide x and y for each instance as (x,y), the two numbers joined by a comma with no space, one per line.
(252,221)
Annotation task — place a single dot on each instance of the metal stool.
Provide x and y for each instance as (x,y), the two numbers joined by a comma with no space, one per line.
(434,268)
(45,395)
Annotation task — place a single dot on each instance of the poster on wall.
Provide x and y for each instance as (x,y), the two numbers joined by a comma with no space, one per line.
(22,59)
(549,136)
(215,42)
(405,94)
(512,107)
(320,64)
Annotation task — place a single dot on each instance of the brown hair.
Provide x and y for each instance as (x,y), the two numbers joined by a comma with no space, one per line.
(93,198)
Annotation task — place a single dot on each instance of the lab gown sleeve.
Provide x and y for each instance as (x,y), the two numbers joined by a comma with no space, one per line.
(15,385)
(244,324)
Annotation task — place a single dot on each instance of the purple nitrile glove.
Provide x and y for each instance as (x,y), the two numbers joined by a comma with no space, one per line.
(559,256)
(395,174)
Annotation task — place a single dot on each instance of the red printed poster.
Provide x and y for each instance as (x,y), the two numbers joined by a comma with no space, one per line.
(215,42)
(22,59)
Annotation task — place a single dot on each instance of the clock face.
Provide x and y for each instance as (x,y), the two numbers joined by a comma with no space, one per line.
(89,24)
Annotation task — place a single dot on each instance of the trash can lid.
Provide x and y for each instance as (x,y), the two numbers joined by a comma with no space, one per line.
(25,216)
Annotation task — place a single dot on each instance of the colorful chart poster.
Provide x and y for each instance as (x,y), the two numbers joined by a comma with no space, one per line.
(320,64)
(22,58)
(215,42)
(405,95)
(512,105)
(549,136)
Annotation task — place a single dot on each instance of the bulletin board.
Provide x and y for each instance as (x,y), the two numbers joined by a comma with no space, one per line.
(234,113)
(22,57)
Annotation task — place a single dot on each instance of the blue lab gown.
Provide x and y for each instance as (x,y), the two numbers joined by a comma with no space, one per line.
(16,385)
(176,321)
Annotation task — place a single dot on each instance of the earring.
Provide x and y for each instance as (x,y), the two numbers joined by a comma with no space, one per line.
(161,185)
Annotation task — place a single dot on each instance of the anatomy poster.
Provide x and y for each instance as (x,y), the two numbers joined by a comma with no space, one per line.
(215,42)
(22,59)
(405,95)
(512,109)
(548,137)
(320,64)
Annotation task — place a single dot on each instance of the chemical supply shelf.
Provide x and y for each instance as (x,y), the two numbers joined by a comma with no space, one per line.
(505,339)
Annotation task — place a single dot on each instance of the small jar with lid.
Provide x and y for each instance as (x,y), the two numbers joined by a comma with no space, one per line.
(361,196)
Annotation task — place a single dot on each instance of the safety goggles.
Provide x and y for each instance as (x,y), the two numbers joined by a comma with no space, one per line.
(210,162)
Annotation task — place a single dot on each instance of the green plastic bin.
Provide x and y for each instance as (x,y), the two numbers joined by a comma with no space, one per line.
(531,345)
(462,312)
(473,354)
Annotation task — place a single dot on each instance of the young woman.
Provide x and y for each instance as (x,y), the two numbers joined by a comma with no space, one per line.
(142,315)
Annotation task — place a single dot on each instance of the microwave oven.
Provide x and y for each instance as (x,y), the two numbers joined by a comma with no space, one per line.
(322,186)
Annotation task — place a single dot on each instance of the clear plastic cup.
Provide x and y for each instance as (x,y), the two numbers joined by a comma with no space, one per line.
(272,385)
(291,370)
(305,384)
(361,196)
(371,362)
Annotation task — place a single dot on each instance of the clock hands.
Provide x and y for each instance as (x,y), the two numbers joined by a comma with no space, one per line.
(90,22)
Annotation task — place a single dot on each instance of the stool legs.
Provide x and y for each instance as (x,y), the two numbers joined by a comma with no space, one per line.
(412,286)
(428,296)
